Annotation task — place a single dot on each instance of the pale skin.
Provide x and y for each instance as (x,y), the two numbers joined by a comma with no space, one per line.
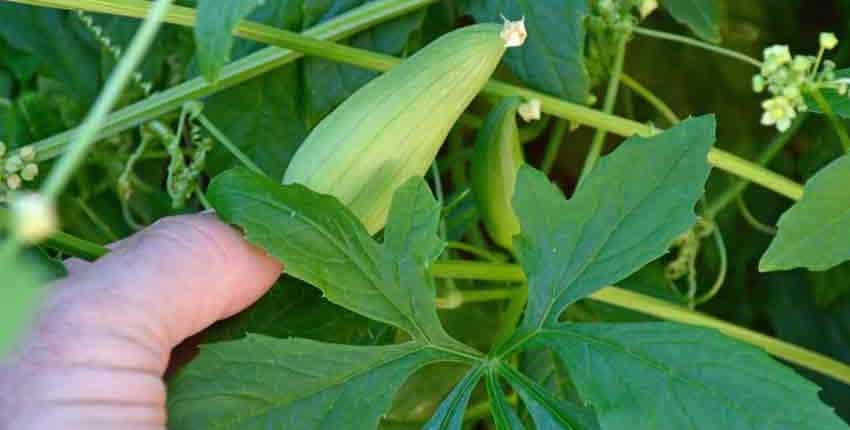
(98,351)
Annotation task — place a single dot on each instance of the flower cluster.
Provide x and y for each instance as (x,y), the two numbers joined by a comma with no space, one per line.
(788,78)
(16,168)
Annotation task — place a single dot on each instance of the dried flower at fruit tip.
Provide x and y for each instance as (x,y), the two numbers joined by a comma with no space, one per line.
(514,32)
(530,110)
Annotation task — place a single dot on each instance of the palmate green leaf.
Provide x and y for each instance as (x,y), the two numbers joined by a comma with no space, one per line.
(214,32)
(449,416)
(701,16)
(504,416)
(19,296)
(815,232)
(664,376)
(548,411)
(552,58)
(261,383)
(321,242)
(633,204)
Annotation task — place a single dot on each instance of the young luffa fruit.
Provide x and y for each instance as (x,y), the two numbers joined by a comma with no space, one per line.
(392,128)
(495,163)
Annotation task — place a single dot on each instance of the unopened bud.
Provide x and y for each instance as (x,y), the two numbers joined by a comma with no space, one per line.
(27,153)
(34,217)
(13,181)
(828,41)
(29,172)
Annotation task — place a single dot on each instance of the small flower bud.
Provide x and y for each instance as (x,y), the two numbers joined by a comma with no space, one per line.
(791,92)
(27,153)
(13,181)
(828,41)
(758,83)
(514,33)
(647,7)
(802,63)
(34,217)
(529,111)
(29,172)
(13,164)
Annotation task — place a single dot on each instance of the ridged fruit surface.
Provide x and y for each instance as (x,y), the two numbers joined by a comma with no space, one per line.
(392,128)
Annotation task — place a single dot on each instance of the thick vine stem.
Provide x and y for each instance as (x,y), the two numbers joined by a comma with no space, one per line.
(503,272)
(663,310)
(309,43)
(86,134)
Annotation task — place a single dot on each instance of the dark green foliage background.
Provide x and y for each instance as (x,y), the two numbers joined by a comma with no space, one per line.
(49,78)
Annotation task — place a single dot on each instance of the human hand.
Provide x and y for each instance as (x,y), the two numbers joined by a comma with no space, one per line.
(98,351)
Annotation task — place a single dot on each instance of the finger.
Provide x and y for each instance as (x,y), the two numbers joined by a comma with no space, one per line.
(170,281)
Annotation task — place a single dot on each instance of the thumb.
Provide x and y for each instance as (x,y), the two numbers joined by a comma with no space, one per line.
(104,336)
(169,281)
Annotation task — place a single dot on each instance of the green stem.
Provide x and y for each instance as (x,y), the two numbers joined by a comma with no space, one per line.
(721,271)
(766,156)
(752,220)
(612,295)
(608,108)
(474,250)
(457,298)
(76,247)
(225,141)
(95,219)
(554,146)
(232,74)
(833,120)
(697,43)
(86,134)
(341,27)
(650,98)
(663,310)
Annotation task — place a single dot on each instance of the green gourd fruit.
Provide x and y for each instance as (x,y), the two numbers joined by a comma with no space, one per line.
(392,128)
(496,160)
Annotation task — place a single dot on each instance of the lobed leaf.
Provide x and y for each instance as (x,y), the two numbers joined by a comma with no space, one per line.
(504,416)
(815,232)
(214,32)
(701,16)
(666,376)
(449,416)
(633,204)
(261,382)
(547,411)
(321,242)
